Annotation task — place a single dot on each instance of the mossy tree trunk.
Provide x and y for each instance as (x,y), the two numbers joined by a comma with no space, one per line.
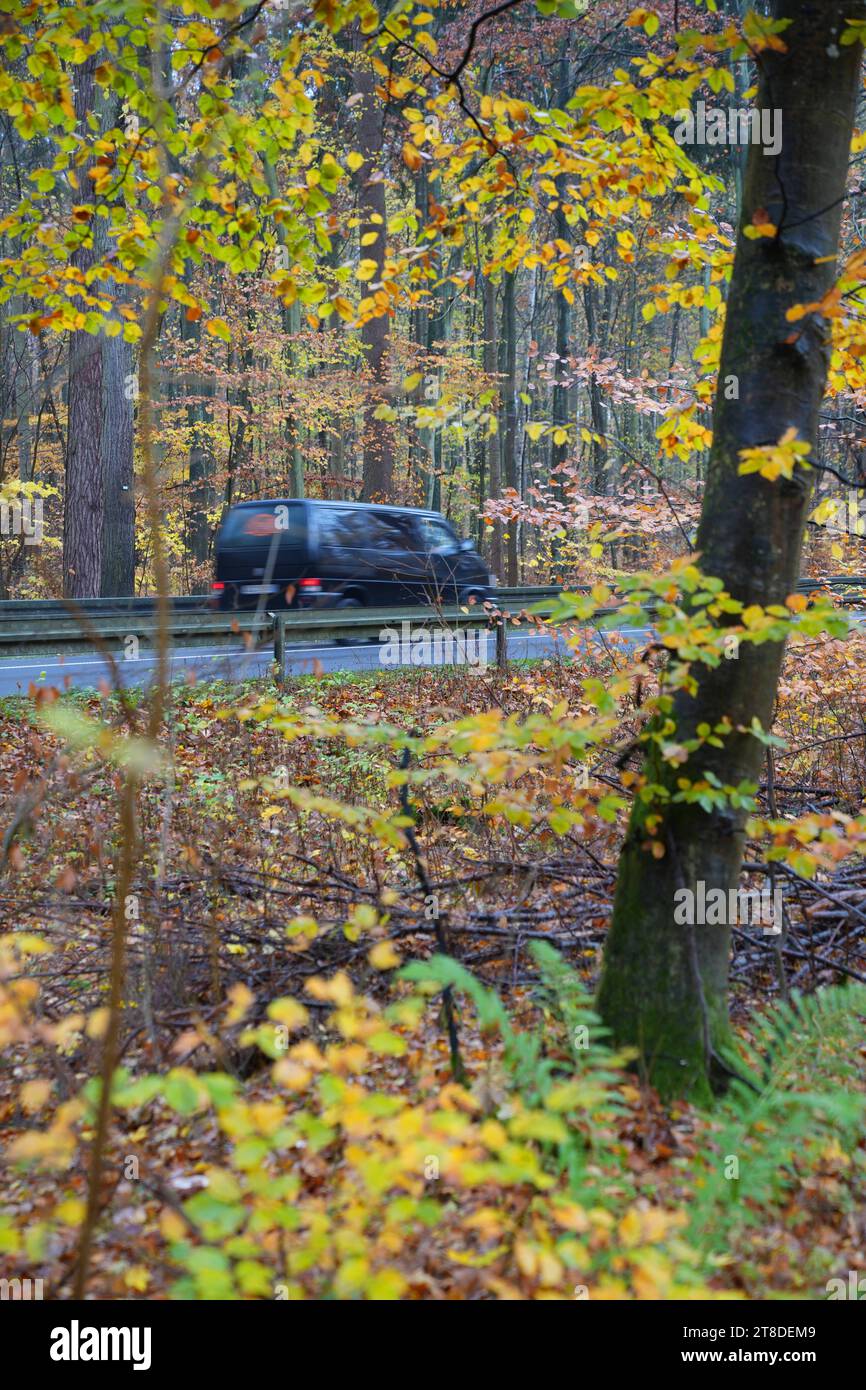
(664,986)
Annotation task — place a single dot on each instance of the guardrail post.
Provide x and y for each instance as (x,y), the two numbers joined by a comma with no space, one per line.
(280,647)
(501,643)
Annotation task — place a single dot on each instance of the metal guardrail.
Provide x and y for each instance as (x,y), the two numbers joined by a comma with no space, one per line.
(28,623)
(45,622)
(50,628)
(43,609)
(97,606)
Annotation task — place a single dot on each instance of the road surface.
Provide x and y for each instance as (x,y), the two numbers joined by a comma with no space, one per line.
(86,670)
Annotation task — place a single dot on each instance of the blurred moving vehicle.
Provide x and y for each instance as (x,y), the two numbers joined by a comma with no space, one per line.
(304,553)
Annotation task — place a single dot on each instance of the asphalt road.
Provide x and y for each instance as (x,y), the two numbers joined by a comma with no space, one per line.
(86,670)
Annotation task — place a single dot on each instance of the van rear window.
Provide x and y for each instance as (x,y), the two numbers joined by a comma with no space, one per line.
(252,525)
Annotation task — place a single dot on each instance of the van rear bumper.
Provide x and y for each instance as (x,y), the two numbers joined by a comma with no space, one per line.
(325,598)
(231,598)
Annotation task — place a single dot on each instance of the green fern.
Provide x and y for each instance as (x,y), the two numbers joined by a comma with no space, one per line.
(765,1124)
(771,1128)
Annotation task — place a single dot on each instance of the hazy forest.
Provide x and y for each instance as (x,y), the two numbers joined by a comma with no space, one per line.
(330,973)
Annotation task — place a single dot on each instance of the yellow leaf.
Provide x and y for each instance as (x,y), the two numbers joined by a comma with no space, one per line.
(572,1218)
(288,1012)
(172,1225)
(527,1259)
(241,998)
(338,990)
(137,1278)
(97,1023)
(630,1228)
(386,1284)
(550,1271)
(383,956)
(71,1212)
(34,1094)
(291,1074)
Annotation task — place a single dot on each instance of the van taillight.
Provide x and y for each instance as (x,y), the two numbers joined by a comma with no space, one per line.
(218,586)
(310,584)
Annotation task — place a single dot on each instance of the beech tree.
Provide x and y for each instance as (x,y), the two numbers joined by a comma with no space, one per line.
(664,986)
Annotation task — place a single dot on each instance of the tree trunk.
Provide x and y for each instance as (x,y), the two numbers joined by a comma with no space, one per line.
(116,420)
(116,452)
(600,480)
(291,324)
(508,370)
(375,332)
(559,402)
(494,445)
(83,501)
(198,384)
(664,986)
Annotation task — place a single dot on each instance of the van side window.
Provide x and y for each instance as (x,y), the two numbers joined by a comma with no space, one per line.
(391,531)
(437,534)
(351,528)
(341,527)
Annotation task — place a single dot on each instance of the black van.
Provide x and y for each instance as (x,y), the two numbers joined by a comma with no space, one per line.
(303,553)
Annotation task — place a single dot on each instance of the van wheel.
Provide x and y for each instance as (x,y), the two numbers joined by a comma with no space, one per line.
(348,641)
(473,597)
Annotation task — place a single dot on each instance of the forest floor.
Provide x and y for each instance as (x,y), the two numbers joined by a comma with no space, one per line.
(228,886)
